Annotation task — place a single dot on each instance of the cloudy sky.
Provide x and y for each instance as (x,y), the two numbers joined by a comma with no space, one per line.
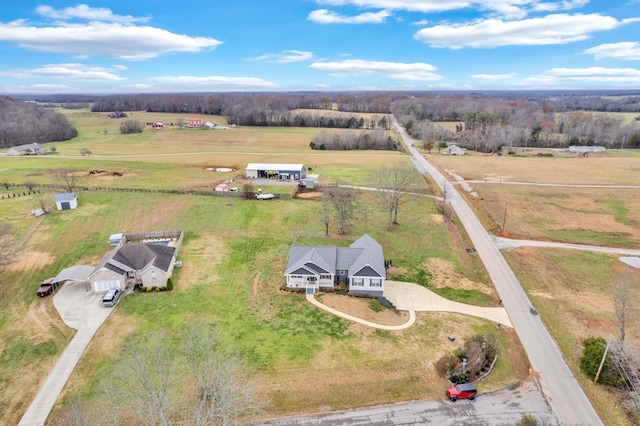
(143,46)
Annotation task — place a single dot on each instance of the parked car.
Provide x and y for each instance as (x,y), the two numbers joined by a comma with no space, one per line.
(47,287)
(265,196)
(111,298)
(462,391)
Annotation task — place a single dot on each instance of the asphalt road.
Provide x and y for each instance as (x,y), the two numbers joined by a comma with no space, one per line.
(505,407)
(567,399)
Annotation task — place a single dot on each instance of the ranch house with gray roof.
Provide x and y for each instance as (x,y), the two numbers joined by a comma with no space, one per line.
(360,266)
(135,264)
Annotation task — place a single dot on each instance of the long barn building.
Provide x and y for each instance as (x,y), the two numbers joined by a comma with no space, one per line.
(278,171)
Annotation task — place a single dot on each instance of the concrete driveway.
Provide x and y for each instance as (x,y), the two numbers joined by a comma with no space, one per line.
(414,297)
(81,310)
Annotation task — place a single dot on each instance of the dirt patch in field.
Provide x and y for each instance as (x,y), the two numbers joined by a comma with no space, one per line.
(361,308)
(445,275)
(438,218)
(315,195)
(31,260)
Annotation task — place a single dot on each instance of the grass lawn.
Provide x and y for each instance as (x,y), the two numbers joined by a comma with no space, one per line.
(234,255)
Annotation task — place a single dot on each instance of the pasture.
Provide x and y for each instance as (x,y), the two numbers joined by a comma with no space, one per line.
(234,255)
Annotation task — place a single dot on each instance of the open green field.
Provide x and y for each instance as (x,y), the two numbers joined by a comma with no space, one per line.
(234,255)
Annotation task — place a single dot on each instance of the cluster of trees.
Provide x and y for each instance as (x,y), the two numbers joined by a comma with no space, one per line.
(487,124)
(131,126)
(142,387)
(377,140)
(25,122)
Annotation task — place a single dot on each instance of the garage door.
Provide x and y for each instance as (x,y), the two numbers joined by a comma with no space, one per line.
(100,286)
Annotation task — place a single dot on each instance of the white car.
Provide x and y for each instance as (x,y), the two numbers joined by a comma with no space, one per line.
(265,196)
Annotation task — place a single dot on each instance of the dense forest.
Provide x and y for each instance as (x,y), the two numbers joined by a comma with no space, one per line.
(25,122)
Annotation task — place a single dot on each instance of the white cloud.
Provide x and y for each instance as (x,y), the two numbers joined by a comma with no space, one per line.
(117,38)
(84,12)
(208,81)
(506,8)
(67,71)
(615,76)
(424,6)
(324,16)
(626,50)
(550,29)
(287,56)
(494,77)
(392,70)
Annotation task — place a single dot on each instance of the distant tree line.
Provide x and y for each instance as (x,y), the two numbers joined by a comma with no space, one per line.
(490,123)
(374,140)
(26,122)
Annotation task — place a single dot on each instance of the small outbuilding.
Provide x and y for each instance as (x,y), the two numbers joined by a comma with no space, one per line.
(66,201)
(276,171)
(222,187)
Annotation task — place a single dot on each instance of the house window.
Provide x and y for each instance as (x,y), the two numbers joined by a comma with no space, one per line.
(376,282)
(325,277)
(153,275)
(311,278)
(357,282)
(342,272)
(296,277)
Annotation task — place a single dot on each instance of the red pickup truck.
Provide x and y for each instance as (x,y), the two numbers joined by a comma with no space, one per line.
(47,287)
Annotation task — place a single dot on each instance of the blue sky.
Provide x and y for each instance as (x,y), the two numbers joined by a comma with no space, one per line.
(142,46)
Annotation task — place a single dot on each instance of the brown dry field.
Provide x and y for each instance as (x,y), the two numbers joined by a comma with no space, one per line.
(573,291)
(600,169)
(601,216)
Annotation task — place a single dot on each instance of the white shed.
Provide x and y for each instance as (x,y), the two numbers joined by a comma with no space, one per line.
(66,201)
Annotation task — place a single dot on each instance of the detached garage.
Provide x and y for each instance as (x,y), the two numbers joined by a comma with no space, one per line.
(276,171)
(67,201)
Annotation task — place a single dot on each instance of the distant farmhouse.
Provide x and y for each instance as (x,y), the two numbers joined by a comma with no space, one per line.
(454,150)
(117,114)
(586,149)
(360,267)
(28,149)
(278,171)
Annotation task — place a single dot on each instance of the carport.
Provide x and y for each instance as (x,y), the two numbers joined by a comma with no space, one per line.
(75,273)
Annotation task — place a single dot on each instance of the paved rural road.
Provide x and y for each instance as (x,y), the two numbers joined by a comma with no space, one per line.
(507,243)
(559,385)
(505,407)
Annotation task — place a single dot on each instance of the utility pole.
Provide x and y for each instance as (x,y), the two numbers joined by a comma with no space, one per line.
(504,219)
(604,356)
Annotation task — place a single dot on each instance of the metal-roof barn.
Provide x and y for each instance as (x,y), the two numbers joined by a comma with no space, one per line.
(274,170)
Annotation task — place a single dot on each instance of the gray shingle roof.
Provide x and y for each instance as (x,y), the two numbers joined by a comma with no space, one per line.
(364,256)
(137,256)
(67,196)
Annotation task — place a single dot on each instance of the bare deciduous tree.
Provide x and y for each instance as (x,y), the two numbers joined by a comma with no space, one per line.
(326,209)
(224,394)
(623,289)
(66,179)
(391,183)
(159,381)
(343,201)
